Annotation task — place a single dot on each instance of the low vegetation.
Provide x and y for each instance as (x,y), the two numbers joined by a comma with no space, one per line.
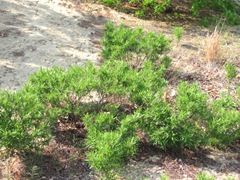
(224,8)
(128,100)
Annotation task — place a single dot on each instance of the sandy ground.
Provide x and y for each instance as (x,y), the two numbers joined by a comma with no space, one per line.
(43,33)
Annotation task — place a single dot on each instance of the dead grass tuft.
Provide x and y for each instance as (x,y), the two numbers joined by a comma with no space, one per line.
(11,168)
(212,46)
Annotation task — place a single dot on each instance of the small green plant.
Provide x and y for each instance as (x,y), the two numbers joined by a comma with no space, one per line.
(152,6)
(230,178)
(204,176)
(148,84)
(139,13)
(178,33)
(231,71)
(34,173)
(114,78)
(164,177)
(111,2)
(231,74)
(177,15)
(238,92)
(205,22)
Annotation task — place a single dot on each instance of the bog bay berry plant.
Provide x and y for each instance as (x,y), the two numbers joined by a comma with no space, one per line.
(109,143)
(129,98)
(63,90)
(148,84)
(25,121)
(133,45)
(224,127)
(191,107)
(133,90)
(182,125)
(114,79)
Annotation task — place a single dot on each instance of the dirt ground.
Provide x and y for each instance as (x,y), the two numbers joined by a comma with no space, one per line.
(45,33)
(42,34)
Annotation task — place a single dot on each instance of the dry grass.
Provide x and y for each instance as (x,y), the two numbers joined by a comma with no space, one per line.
(212,46)
(11,168)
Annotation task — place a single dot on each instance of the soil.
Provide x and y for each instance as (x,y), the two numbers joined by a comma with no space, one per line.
(42,34)
(38,34)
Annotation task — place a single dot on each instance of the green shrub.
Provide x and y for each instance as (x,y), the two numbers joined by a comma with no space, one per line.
(228,8)
(54,84)
(148,84)
(114,78)
(47,84)
(191,102)
(133,46)
(156,123)
(224,128)
(25,121)
(183,127)
(63,90)
(108,145)
(128,100)
(110,150)
(191,115)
